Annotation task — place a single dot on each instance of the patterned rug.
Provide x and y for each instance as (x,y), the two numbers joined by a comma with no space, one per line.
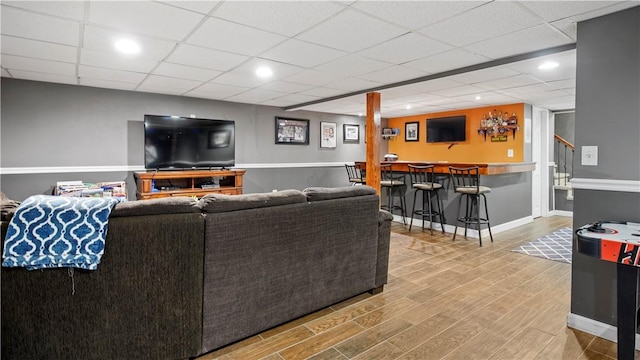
(555,246)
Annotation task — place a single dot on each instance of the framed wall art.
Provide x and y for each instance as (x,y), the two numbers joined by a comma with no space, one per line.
(328,134)
(292,131)
(351,133)
(412,131)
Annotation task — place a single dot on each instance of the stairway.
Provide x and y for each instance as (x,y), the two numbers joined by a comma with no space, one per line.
(563,167)
(562,181)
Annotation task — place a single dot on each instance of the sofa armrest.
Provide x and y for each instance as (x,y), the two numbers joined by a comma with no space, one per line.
(384,238)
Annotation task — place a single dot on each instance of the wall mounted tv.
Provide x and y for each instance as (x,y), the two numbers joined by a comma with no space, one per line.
(447,129)
(174,142)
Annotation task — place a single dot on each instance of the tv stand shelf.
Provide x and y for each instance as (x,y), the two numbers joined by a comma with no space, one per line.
(157,184)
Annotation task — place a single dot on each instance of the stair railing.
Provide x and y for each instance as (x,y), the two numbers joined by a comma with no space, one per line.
(562,148)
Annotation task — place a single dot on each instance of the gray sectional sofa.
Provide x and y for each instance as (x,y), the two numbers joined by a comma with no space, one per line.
(181,277)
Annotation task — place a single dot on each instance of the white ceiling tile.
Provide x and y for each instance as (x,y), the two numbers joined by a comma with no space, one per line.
(481,23)
(527,89)
(239,80)
(168,82)
(484,75)
(393,74)
(507,83)
(115,61)
(322,92)
(415,14)
(314,77)
(185,72)
(216,91)
(453,59)
(552,11)
(611,7)
(302,53)
(436,84)
(144,18)
(284,86)
(73,10)
(405,48)
(568,27)
(12,62)
(102,83)
(532,39)
(458,91)
(160,90)
(255,95)
(94,73)
(277,102)
(101,39)
(223,35)
(353,84)
(38,49)
(282,17)
(563,84)
(205,58)
(20,23)
(351,31)
(203,7)
(297,98)
(353,65)
(39,76)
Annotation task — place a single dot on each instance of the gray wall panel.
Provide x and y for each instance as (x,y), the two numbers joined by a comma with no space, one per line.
(607,115)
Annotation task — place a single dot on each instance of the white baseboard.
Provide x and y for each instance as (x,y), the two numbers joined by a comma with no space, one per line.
(561,213)
(596,328)
(471,233)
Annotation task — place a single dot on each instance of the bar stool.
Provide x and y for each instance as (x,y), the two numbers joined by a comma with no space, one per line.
(466,182)
(394,185)
(423,180)
(355,175)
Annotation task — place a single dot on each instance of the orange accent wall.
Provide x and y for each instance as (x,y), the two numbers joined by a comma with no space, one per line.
(475,149)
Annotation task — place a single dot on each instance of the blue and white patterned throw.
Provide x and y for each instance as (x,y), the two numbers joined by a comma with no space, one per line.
(54,231)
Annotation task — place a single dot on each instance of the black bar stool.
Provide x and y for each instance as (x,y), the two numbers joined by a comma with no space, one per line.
(466,182)
(394,185)
(355,175)
(423,180)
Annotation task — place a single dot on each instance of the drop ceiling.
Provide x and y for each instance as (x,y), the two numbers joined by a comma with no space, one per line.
(325,55)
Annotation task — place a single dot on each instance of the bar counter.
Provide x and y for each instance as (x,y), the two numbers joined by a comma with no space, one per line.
(485,168)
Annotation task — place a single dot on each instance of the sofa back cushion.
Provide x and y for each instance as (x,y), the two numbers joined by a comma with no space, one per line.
(167,205)
(321,193)
(216,203)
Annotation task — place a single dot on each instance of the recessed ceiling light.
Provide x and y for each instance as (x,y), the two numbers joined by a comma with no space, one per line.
(264,72)
(359,114)
(478,98)
(127,46)
(408,107)
(548,65)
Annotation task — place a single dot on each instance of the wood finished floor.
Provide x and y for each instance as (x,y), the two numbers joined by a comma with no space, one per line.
(444,300)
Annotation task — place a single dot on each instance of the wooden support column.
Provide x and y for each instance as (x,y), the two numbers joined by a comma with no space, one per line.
(373,140)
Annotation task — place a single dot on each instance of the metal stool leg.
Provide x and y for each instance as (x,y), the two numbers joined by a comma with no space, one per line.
(413,208)
(486,211)
(440,214)
(458,218)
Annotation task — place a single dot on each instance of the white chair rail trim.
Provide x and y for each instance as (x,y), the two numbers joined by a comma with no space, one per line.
(127,168)
(632,186)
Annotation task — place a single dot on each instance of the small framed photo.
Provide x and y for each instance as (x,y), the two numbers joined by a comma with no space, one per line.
(412,131)
(328,134)
(351,133)
(292,131)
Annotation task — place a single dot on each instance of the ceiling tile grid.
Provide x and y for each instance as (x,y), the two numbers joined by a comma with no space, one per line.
(433,55)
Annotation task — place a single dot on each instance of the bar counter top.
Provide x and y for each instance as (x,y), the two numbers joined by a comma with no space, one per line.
(485,168)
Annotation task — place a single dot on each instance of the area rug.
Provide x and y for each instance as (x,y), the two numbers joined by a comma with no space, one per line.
(555,246)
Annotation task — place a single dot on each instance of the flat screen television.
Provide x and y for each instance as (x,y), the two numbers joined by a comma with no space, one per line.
(447,129)
(174,142)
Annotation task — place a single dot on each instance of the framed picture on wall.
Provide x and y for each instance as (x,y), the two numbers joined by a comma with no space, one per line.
(292,131)
(351,133)
(328,134)
(412,131)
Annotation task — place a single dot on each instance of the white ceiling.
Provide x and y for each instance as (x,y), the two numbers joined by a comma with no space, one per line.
(316,49)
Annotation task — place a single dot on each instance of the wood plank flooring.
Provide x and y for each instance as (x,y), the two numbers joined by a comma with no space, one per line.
(444,300)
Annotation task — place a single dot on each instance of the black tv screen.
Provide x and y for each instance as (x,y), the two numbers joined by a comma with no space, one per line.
(447,129)
(174,142)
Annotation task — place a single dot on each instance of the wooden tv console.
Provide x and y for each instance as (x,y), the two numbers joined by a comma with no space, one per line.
(157,184)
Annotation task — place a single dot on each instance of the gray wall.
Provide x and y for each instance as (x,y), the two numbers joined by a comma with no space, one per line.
(565,124)
(608,113)
(56,125)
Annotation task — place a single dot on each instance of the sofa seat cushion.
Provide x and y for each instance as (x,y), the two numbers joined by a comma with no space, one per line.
(321,193)
(167,205)
(216,203)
